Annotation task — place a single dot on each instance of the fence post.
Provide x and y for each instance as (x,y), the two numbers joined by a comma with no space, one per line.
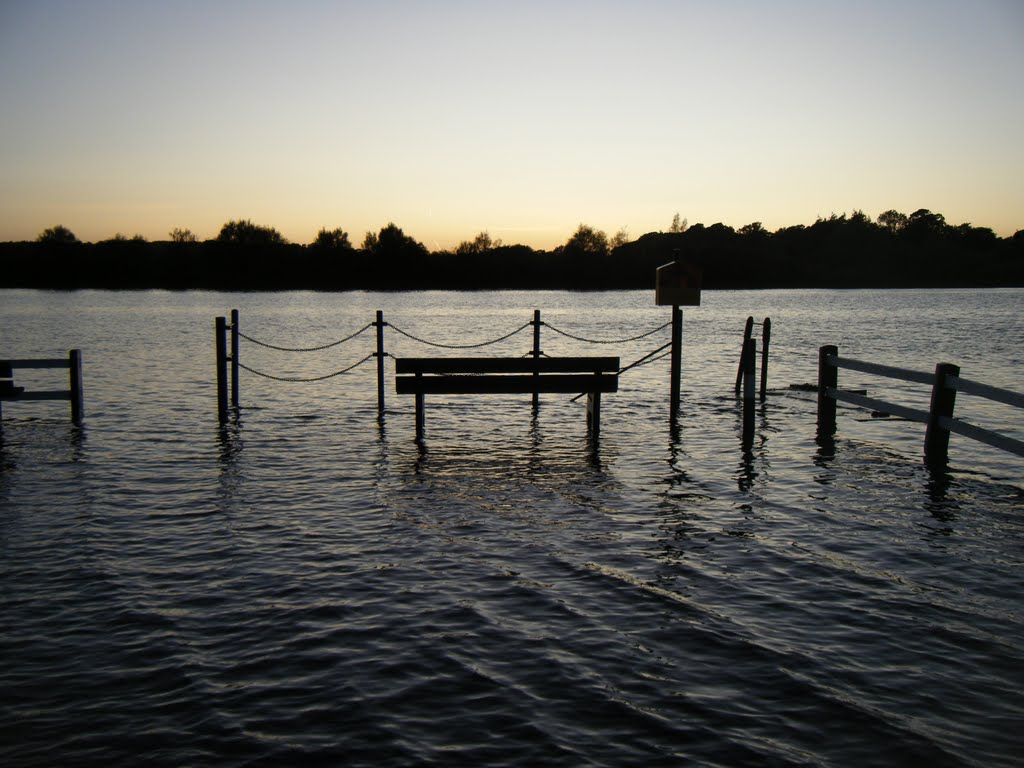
(766,340)
(220,326)
(536,354)
(936,437)
(828,376)
(677,358)
(748,329)
(380,362)
(75,385)
(234,358)
(749,366)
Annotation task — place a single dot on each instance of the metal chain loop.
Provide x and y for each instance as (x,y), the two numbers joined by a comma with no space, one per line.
(306,349)
(460,346)
(295,379)
(608,341)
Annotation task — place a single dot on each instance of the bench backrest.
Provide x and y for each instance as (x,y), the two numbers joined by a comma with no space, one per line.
(498,365)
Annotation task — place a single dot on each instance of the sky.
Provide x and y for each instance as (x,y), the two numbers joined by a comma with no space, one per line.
(522,119)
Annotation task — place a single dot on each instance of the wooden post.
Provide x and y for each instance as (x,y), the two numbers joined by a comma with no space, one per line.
(75,385)
(766,340)
(749,372)
(594,413)
(536,353)
(677,358)
(380,362)
(828,376)
(234,358)
(936,437)
(420,416)
(220,326)
(747,331)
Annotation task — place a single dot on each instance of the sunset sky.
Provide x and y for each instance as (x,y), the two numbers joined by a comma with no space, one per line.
(523,119)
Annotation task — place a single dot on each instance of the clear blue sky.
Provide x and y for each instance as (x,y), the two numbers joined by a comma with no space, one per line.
(523,119)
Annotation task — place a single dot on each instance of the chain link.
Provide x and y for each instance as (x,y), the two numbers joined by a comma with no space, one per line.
(460,346)
(306,349)
(295,379)
(607,341)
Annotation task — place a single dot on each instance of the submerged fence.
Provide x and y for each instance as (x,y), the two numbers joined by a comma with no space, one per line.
(73,363)
(945,383)
(228,336)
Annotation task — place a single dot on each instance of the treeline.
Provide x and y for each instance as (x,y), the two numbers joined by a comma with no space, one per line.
(897,250)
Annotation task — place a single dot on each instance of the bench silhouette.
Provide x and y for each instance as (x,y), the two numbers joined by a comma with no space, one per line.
(422,376)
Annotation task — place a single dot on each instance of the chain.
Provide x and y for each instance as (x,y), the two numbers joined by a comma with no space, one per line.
(303,380)
(461,346)
(608,341)
(306,349)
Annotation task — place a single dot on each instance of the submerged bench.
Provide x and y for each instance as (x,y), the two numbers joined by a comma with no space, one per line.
(421,376)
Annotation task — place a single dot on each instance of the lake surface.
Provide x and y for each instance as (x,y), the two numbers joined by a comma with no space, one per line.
(308,586)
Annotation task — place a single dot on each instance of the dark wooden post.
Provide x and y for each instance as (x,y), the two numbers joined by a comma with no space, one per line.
(936,437)
(536,354)
(420,416)
(747,331)
(828,376)
(594,413)
(380,362)
(75,385)
(766,340)
(749,361)
(677,358)
(220,327)
(234,358)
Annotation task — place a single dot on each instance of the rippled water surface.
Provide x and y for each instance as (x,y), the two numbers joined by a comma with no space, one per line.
(309,586)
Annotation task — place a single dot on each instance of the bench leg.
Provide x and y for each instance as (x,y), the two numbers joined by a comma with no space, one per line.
(594,412)
(419,415)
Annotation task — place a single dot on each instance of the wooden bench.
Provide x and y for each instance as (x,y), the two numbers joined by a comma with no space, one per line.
(422,376)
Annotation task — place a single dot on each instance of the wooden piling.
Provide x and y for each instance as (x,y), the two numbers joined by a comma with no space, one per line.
(75,385)
(766,340)
(828,377)
(536,354)
(748,330)
(234,359)
(676,358)
(749,372)
(379,323)
(936,437)
(220,327)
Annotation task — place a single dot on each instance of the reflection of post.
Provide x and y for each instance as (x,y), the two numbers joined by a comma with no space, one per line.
(380,362)
(234,358)
(677,357)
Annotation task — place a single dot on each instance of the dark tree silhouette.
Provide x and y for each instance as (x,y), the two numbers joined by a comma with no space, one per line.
(333,239)
(244,232)
(58,235)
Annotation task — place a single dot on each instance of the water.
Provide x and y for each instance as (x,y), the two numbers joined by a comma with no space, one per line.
(308,586)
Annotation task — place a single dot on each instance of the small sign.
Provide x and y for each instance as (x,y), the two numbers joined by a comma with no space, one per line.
(677,284)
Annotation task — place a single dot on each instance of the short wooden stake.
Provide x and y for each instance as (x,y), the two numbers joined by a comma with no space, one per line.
(380,362)
(234,358)
(747,332)
(828,377)
(75,385)
(766,340)
(676,359)
(594,413)
(220,327)
(936,437)
(749,372)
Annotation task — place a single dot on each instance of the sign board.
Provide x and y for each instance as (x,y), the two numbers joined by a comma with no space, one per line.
(677,284)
